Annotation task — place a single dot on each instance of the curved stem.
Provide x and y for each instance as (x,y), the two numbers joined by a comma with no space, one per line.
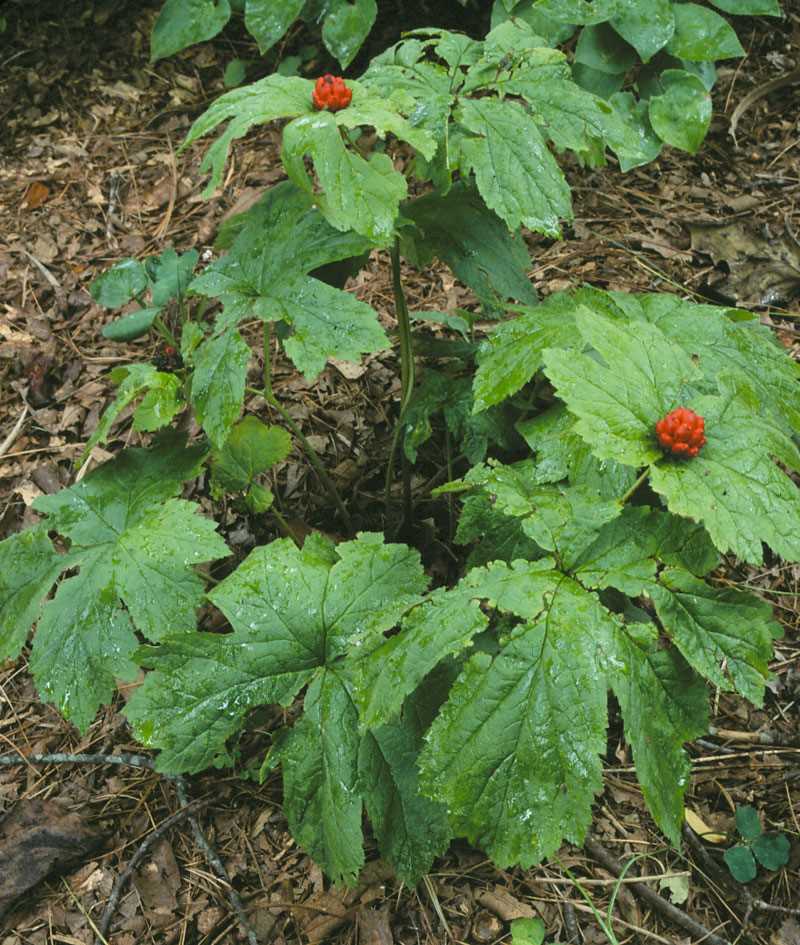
(635,486)
(313,457)
(406,378)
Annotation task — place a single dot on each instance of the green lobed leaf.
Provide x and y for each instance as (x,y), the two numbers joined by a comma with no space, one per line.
(747,822)
(218,382)
(119,284)
(162,400)
(580,11)
(28,567)
(741,863)
(664,704)
(391,669)
(183,23)
(353,193)
(268,20)
(617,409)
(496,537)
(772,850)
(271,98)
(411,829)
(515,172)
(636,116)
(553,32)
(513,352)
(733,486)
(515,751)
(276,243)
(319,759)
(250,450)
(701,35)
(84,641)
(681,114)
(460,229)
(725,634)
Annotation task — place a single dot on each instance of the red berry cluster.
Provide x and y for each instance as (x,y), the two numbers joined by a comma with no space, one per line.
(331,93)
(682,432)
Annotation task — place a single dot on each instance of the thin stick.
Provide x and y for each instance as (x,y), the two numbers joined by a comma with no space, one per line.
(652,898)
(58,758)
(124,877)
(635,486)
(8,442)
(406,382)
(216,864)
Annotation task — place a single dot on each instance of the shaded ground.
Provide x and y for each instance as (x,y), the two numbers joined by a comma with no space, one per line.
(89,175)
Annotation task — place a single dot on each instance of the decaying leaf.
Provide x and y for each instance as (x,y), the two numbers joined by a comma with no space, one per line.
(39,838)
(762,270)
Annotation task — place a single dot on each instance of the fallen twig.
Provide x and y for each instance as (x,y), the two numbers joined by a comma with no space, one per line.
(59,758)
(599,852)
(216,864)
(757,94)
(125,876)
(8,442)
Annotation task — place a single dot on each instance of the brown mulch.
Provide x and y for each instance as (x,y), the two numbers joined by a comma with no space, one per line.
(90,174)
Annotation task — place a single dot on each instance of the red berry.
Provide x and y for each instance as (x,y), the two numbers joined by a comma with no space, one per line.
(682,432)
(331,93)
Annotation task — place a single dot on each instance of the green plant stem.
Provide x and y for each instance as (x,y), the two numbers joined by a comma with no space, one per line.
(635,486)
(284,526)
(406,382)
(313,457)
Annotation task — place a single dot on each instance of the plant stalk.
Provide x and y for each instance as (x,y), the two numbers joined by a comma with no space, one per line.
(635,486)
(406,382)
(268,394)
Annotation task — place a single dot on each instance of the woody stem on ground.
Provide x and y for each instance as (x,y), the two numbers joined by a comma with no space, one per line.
(313,457)
(406,382)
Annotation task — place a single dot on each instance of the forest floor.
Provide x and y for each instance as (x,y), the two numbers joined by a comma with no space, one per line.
(89,175)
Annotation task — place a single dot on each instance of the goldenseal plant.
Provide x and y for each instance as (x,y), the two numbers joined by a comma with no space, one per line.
(479,710)
(615,446)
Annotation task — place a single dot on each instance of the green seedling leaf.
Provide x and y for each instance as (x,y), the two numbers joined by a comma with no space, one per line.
(747,822)
(183,23)
(119,284)
(172,274)
(527,932)
(133,544)
(681,114)
(235,73)
(258,499)
(701,35)
(551,31)
(265,275)
(741,863)
(771,850)
(250,450)
(161,393)
(636,116)
(268,20)
(131,326)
